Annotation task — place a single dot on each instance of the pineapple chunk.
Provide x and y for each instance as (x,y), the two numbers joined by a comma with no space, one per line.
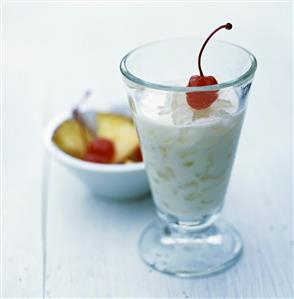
(121,131)
(69,137)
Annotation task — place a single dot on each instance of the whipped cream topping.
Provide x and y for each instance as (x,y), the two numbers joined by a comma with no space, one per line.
(173,108)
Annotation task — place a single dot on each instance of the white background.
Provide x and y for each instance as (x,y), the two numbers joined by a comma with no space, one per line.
(51,53)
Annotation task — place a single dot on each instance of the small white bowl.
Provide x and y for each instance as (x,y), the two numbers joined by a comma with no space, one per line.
(115,181)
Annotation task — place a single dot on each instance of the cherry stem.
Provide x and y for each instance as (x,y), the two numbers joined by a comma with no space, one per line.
(227,26)
(77,115)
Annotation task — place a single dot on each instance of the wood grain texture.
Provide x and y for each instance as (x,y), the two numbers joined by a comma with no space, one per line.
(92,243)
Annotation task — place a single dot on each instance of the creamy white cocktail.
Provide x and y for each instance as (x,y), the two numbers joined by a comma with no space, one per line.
(188,153)
(189,124)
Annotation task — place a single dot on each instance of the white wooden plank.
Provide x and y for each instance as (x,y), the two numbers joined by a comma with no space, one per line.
(22,180)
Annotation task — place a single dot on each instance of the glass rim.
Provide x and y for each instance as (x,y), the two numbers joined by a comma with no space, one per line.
(246,76)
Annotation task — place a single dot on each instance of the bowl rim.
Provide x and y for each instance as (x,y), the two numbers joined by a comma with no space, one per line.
(67,159)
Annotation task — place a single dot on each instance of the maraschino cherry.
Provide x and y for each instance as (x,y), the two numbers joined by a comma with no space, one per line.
(137,155)
(99,150)
(202,100)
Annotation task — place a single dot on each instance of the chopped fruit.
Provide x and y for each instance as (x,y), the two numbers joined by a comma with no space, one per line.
(112,138)
(202,100)
(100,150)
(72,138)
(121,131)
(117,140)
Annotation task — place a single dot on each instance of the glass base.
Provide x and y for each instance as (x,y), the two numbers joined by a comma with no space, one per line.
(190,254)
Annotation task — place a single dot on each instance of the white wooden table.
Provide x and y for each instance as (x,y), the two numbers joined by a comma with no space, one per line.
(51,54)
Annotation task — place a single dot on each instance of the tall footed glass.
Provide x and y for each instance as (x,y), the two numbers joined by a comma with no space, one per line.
(188,153)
